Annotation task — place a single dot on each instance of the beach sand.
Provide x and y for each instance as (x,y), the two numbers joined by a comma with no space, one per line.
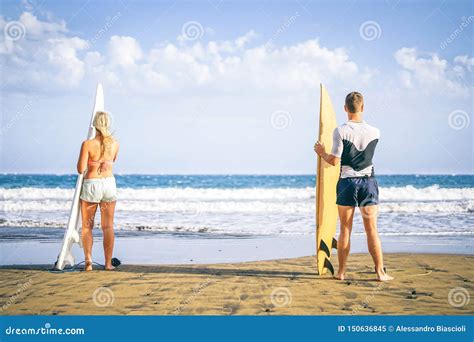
(282,287)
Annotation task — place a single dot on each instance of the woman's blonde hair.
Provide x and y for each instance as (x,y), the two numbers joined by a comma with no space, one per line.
(102,125)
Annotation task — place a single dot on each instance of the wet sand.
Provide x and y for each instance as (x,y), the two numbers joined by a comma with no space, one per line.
(425,284)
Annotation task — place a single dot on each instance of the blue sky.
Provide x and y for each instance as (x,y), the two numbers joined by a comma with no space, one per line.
(233,86)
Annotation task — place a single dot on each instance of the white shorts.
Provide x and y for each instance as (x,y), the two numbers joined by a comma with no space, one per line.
(98,190)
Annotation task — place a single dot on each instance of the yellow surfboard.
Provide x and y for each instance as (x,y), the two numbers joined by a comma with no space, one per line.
(326,181)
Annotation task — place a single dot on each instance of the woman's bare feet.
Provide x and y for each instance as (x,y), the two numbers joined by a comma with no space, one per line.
(88,266)
(109,268)
(339,276)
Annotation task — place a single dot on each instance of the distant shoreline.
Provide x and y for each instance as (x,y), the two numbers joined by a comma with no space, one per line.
(230,174)
(151,248)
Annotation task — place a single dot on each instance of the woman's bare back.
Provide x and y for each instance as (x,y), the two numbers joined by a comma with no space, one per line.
(90,157)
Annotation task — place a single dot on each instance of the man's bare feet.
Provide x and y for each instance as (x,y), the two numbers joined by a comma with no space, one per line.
(339,276)
(109,268)
(88,266)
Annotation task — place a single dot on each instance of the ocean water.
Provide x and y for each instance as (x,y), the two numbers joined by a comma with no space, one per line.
(36,206)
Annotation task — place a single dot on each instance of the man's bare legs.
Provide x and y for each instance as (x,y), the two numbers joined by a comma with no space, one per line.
(369,216)
(107,223)
(346,215)
(88,210)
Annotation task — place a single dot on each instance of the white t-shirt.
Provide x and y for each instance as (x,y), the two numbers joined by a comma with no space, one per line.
(354,143)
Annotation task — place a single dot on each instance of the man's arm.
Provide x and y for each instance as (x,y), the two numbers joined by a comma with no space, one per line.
(320,149)
(337,146)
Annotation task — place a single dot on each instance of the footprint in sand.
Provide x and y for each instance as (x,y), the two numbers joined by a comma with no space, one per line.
(347,307)
(231,309)
(350,295)
(244,296)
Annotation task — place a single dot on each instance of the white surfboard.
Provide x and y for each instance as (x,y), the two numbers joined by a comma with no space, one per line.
(72,235)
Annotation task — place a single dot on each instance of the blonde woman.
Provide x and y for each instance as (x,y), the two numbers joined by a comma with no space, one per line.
(97,156)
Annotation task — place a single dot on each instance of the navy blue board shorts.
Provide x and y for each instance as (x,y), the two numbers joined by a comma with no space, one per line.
(357,191)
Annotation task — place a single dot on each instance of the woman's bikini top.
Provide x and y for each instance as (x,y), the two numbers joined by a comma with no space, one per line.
(102,164)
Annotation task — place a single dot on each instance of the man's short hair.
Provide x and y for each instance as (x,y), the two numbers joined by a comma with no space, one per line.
(354,102)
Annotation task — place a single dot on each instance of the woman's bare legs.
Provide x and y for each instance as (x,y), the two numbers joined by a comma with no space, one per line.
(369,216)
(346,215)
(88,210)
(107,210)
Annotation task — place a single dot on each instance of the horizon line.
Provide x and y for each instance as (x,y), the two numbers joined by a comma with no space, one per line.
(230,174)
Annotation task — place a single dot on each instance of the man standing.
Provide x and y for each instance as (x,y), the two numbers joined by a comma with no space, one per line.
(354,145)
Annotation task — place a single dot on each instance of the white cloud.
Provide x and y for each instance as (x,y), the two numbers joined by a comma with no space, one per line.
(465,61)
(62,57)
(38,28)
(245,39)
(43,55)
(227,66)
(432,74)
(49,56)
(124,51)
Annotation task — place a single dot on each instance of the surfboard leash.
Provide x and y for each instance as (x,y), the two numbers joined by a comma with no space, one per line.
(115,262)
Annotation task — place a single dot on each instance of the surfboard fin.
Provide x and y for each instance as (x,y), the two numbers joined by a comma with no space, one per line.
(328,265)
(68,260)
(334,243)
(324,248)
(75,236)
